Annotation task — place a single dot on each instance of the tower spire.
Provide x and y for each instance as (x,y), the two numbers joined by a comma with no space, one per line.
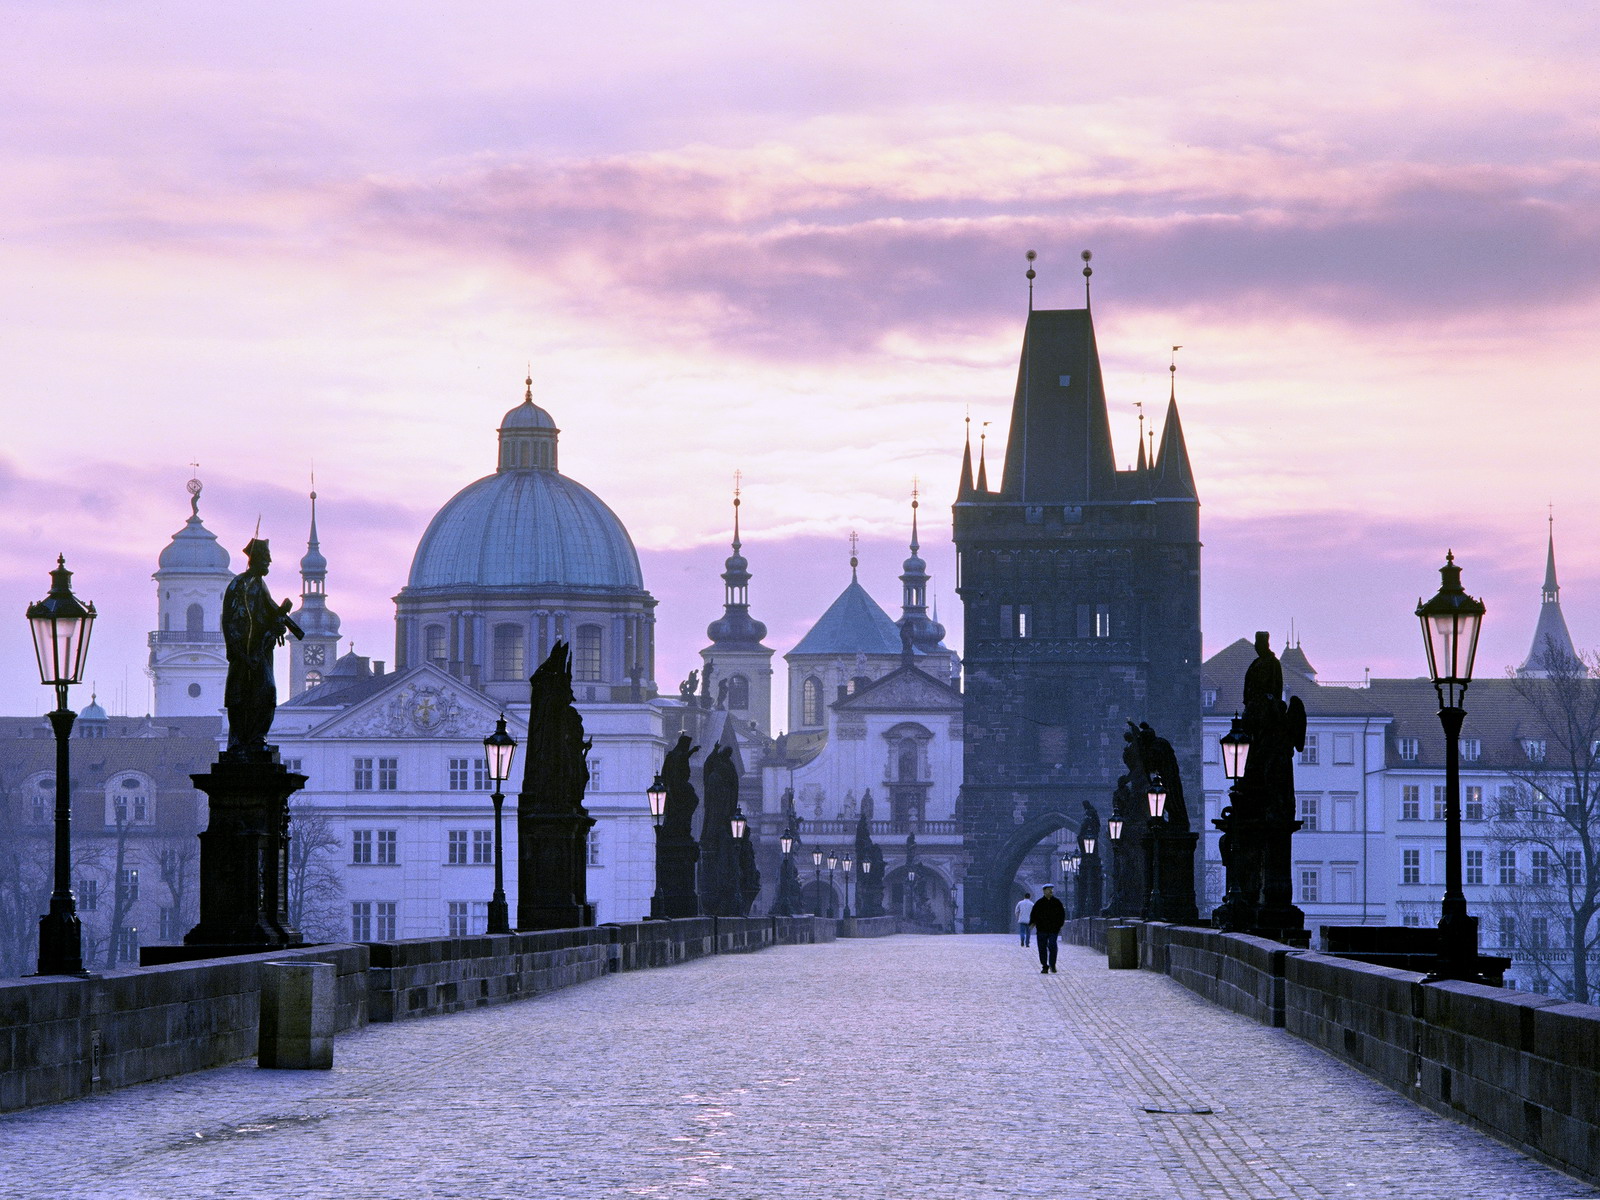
(1032,254)
(918,633)
(1088,271)
(1552,645)
(855,546)
(965,488)
(983,466)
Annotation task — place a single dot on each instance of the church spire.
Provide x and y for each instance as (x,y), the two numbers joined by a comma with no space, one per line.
(316,653)
(736,626)
(920,634)
(1552,644)
(1174,476)
(983,465)
(965,489)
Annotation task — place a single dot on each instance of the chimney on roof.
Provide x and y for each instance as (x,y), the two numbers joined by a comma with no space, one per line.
(377,666)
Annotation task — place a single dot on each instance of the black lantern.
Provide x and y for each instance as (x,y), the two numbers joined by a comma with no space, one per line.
(1235,750)
(786,842)
(1114,828)
(61,627)
(1089,845)
(736,823)
(1450,625)
(500,748)
(1157,796)
(656,793)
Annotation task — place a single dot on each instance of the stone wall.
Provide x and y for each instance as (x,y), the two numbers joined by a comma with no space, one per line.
(1524,1069)
(61,1038)
(868,927)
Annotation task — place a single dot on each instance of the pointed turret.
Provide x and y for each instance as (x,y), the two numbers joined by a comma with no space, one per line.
(964,491)
(923,636)
(743,664)
(983,465)
(1552,644)
(311,657)
(1059,447)
(1174,477)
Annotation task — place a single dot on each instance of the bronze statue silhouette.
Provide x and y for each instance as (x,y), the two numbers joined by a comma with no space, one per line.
(681,797)
(253,626)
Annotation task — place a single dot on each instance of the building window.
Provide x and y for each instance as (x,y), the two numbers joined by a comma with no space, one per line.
(1438,802)
(43,796)
(480,775)
(1472,809)
(293,765)
(1102,621)
(1539,868)
(1534,749)
(386,920)
(586,654)
(482,846)
(460,776)
(1308,813)
(169,923)
(312,679)
(738,692)
(1408,748)
(128,802)
(1411,921)
(594,765)
(1474,866)
(362,781)
(1411,802)
(194,620)
(510,656)
(1508,868)
(361,921)
(594,848)
(388,774)
(456,848)
(811,702)
(456,918)
(360,846)
(129,886)
(480,916)
(1538,932)
(127,944)
(434,646)
(1575,868)
(1574,810)
(1508,933)
(388,845)
(1471,749)
(1308,756)
(1344,749)
(1310,885)
(1508,803)
(88,895)
(1411,866)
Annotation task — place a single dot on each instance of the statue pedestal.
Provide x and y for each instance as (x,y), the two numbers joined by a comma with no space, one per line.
(244,856)
(1177,849)
(552,870)
(676,855)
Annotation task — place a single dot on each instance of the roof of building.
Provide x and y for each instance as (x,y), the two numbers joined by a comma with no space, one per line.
(194,549)
(1552,644)
(853,624)
(526,526)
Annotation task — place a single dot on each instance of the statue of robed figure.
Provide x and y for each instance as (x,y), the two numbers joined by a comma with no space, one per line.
(676,850)
(552,823)
(253,627)
(727,864)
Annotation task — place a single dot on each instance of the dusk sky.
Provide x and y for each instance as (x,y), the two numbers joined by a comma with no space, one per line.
(789,240)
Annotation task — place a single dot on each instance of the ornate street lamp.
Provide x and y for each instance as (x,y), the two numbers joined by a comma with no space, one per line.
(1156,796)
(848,864)
(786,842)
(816,877)
(499,748)
(61,628)
(1450,625)
(1236,844)
(1235,750)
(656,793)
(833,861)
(737,825)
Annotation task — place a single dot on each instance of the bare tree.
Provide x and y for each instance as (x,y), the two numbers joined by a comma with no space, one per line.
(124,892)
(315,884)
(1543,830)
(178,860)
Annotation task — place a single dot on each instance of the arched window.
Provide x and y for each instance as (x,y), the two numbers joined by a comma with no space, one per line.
(128,801)
(194,620)
(738,692)
(510,659)
(433,645)
(313,678)
(811,702)
(586,654)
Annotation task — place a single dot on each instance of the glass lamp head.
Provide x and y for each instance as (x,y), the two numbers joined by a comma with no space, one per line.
(499,748)
(1157,797)
(656,793)
(61,625)
(1451,622)
(1235,750)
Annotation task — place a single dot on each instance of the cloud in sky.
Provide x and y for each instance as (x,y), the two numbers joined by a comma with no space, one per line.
(791,242)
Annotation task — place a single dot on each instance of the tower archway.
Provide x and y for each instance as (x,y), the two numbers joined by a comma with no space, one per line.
(995,902)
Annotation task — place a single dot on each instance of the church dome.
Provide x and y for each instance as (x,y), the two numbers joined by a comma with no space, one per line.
(194,548)
(527,525)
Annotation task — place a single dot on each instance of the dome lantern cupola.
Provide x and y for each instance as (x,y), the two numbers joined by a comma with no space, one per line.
(528,437)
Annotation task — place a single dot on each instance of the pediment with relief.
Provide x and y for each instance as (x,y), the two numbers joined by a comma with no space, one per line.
(905,690)
(421,704)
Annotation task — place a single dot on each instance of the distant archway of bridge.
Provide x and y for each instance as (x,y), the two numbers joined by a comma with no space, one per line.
(998,899)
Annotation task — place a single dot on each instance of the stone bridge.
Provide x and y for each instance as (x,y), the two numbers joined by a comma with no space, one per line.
(904,1067)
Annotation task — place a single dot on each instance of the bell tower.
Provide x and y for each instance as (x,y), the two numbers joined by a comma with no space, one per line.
(188,665)
(311,659)
(741,666)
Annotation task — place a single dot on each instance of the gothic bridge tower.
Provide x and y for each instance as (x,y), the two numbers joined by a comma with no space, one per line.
(1081,590)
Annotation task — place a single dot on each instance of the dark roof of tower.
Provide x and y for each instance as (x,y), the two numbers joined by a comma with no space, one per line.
(1551,640)
(1174,476)
(1059,446)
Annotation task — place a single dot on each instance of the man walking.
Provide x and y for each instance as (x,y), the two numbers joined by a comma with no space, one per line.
(1047,918)
(1024,912)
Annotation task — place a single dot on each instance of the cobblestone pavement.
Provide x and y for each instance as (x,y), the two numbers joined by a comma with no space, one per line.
(912,1068)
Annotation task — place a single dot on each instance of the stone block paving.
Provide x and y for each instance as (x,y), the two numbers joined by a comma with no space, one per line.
(907,1067)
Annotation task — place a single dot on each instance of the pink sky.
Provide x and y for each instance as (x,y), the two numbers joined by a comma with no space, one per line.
(790,242)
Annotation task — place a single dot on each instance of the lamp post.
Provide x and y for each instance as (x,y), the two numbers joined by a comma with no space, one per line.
(1237,847)
(1156,796)
(499,748)
(1069,876)
(1450,625)
(1115,885)
(849,865)
(784,907)
(833,861)
(816,877)
(656,794)
(61,628)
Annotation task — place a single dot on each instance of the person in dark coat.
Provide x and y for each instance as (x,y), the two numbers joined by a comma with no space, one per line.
(1047,918)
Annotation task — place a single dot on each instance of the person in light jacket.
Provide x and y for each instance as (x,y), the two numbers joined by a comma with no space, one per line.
(1024,912)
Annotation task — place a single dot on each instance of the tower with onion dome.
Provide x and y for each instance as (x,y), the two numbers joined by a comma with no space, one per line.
(188,664)
(312,657)
(740,666)
(519,560)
